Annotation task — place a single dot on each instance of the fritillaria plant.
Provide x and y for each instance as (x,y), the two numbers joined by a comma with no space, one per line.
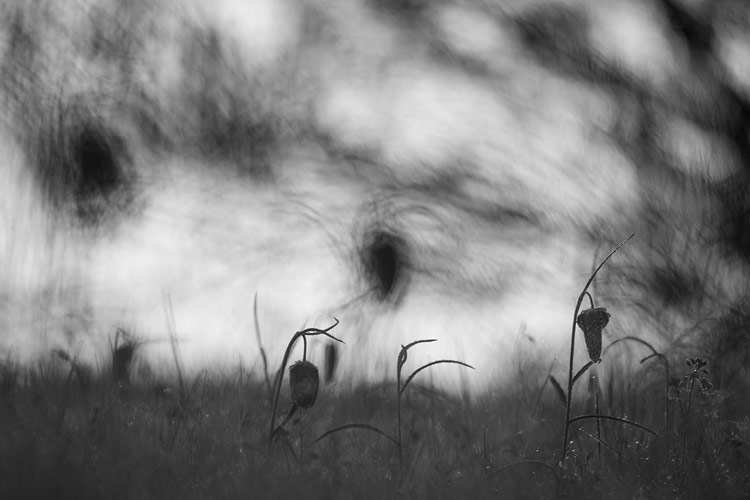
(303,378)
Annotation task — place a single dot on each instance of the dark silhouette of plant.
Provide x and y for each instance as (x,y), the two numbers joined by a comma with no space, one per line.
(592,322)
(303,377)
(400,388)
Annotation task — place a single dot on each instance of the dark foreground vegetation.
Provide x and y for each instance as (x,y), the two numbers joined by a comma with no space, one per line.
(666,429)
(65,433)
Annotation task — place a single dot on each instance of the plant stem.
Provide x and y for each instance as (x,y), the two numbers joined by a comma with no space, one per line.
(564,449)
(398,407)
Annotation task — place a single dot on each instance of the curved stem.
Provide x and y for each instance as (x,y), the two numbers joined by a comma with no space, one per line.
(523,462)
(414,374)
(400,363)
(615,419)
(280,378)
(356,426)
(591,299)
(582,371)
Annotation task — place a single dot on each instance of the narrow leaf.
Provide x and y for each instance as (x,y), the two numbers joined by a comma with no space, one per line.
(581,372)
(558,389)
(357,426)
(616,419)
(414,373)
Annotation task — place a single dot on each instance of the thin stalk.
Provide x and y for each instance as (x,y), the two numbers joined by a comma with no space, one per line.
(597,410)
(263,356)
(172,329)
(616,419)
(357,426)
(399,365)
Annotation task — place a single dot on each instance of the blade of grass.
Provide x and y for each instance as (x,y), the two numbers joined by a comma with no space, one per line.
(263,356)
(357,426)
(582,371)
(172,330)
(558,389)
(616,419)
(523,462)
(442,361)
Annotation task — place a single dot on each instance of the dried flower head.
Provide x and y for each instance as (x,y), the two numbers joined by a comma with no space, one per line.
(303,381)
(592,322)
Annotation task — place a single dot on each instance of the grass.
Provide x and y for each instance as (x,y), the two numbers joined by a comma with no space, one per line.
(65,439)
(661,432)
(403,355)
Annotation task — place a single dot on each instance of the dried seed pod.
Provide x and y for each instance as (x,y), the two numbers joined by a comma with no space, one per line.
(592,322)
(303,381)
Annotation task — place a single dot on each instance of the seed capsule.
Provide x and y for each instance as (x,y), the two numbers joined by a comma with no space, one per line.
(592,322)
(303,381)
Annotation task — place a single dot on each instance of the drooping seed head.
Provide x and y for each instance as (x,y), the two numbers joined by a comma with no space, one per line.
(592,322)
(303,381)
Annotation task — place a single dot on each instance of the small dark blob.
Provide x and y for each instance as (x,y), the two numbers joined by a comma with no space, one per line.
(121,360)
(96,166)
(123,351)
(99,182)
(385,258)
(331,360)
(698,34)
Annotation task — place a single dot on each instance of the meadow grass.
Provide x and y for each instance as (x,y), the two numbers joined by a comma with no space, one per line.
(65,437)
(654,431)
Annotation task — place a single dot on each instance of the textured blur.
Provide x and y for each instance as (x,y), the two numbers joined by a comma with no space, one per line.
(417,169)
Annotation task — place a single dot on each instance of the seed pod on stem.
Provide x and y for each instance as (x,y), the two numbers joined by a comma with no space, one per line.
(303,382)
(592,322)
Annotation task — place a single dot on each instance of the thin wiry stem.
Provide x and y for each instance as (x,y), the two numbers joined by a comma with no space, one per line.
(412,344)
(292,410)
(400,362)
(414,373)
(591,299)
(633,339)
(601,443)
(172,329)
(357,426)
(523,462)
(597,409)
(615,419)
(582,371)
(263,356)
